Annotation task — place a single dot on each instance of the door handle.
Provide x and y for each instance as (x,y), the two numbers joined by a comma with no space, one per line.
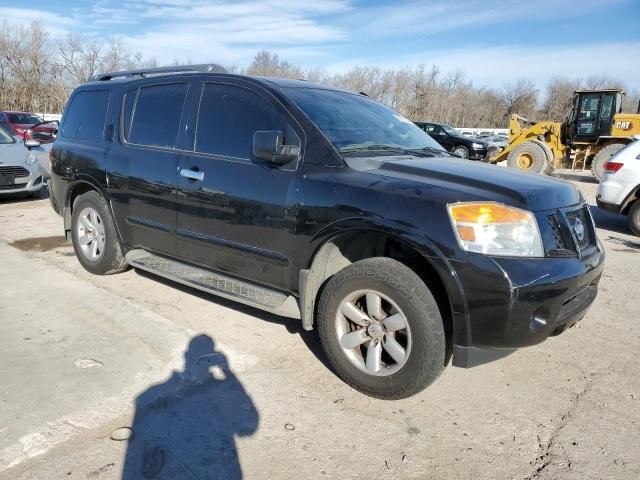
(192,174)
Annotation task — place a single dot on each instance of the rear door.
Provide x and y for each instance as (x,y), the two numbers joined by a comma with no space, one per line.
(143,165)
(239,217)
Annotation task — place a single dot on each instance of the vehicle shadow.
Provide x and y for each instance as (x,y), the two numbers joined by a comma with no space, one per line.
(186,427)
(576,176)
(21,198)
(609,220)
(292,326)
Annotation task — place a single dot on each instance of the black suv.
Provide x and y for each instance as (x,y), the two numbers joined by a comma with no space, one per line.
(323,205)
(455,142)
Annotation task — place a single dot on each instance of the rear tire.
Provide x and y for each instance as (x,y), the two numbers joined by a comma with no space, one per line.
(94,236)
(408,314)
(602,157)
(528,157)
(633,217)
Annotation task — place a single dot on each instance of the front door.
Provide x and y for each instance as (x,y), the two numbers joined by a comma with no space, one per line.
(236,214)
(586,129)
(143,167)
(439,135)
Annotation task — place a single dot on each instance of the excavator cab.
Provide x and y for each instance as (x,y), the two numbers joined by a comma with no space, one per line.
(592,115)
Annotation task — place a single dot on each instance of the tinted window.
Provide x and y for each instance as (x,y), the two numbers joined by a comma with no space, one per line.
(156,115)
(85,116)
(127,110)
(24,118)
(228,118)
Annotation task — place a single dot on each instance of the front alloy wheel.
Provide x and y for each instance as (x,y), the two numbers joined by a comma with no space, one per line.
(373,333)
(381,328)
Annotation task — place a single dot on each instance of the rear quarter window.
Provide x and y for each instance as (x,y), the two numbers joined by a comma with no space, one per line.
(85,116)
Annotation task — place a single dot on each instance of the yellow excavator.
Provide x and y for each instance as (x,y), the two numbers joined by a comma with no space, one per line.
(594,130)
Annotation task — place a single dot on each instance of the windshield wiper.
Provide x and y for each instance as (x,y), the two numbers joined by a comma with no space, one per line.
(434,150)
(372,148)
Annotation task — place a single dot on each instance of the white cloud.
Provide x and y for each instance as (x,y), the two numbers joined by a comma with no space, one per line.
(493,66)
(423,19)
(55,24)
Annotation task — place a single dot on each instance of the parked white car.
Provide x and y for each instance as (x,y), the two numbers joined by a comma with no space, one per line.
(20,171)
(619,191)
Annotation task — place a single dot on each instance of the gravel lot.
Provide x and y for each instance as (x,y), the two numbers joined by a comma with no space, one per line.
(226,391)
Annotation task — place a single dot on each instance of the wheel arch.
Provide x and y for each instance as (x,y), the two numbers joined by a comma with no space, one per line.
(80,186)
(347,246)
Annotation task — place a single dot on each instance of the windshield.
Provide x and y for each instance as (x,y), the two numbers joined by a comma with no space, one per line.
(24,118)
(450,130)
(5,137)
(353,121)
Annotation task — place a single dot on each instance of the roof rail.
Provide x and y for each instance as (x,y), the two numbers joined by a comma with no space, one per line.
(143,72)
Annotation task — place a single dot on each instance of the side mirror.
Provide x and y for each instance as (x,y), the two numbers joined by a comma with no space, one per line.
(31,143)
(269,145)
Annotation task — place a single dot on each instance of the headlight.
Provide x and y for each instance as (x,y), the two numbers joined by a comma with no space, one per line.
(495,229)
(478,146)
(31,159)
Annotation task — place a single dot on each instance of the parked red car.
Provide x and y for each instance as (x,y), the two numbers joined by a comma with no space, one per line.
(29,126)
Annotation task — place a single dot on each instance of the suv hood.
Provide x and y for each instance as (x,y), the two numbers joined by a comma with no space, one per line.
(464,181)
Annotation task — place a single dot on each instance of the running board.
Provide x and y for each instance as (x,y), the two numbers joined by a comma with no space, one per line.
(215,283)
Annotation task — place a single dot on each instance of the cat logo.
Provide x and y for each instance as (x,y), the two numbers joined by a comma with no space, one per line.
(623,125)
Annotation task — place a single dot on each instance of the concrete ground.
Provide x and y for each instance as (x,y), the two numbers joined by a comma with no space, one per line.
(205,388)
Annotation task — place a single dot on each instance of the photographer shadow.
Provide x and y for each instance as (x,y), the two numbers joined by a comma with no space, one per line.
(186,427)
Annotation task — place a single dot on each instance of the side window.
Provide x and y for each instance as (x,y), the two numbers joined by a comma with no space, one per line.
(607,106)
(156,115)
(85,116)
(127,111)
(228,117)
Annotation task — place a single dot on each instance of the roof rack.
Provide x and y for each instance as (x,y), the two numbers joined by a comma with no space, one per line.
(143,72)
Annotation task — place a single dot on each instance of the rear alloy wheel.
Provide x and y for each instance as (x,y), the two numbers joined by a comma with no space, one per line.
(602,157)
(528,157)
(381,329)
(461,151)
(94,236)
(633,217)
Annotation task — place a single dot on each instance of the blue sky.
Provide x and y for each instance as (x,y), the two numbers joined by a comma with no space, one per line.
(492,41)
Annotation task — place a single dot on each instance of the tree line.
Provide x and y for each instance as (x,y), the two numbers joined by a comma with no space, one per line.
(38,72)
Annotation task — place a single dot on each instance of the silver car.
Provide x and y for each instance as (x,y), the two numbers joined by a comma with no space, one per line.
(20,170)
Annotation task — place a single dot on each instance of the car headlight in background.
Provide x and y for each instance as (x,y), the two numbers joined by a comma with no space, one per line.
(496,229)
(478,146)
(31,159)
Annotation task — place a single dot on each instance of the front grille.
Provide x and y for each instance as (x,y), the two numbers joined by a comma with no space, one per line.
(577,218)
(558,239)
(14,171)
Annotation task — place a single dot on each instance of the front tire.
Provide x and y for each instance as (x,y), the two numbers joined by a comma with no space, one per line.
(528,157)
(381,329)
(633,217)
(94,236)
(461,151)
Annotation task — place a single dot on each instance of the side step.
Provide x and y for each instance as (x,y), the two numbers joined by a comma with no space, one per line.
(208,281)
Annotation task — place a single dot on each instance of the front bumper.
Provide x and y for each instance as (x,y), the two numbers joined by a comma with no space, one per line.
(31,184)
(514,303)
(478,154)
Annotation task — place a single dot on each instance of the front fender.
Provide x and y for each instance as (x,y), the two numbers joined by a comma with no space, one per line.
(419,242)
